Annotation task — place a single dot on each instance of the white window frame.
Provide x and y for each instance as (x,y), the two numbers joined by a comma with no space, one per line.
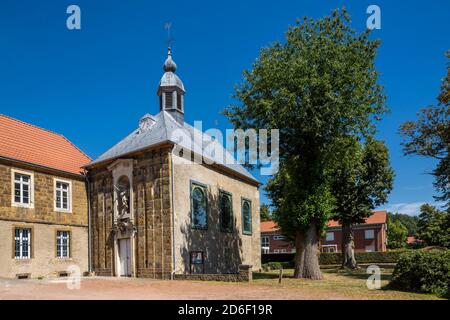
(29,205)
(369,231)
(21,238)
(69,196)
(328,246)
(265,248)
(329,236)
(59,241)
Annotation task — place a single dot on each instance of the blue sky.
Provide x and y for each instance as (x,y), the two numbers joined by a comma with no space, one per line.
(93,84)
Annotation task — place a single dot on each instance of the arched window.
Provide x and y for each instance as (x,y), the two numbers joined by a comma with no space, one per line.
(246,217)
(226,212)
(199,206)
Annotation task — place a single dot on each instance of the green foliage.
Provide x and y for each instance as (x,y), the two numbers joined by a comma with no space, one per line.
(318,86)
(429,136)
(363,179)
(410,222)
(264,212)
(396,234)
(434,226)
(423,271)
(362,257)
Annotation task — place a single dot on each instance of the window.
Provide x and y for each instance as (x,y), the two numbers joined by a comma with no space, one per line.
(22,243)
(283,251)
(369,234)
(265,244)
(23,189)
(62,195)
(370,248)
(276,251)
(169,100)
(330,236)
(280,238)
(199,206)
(246,217)
(329,248)
(179,101)
(226,212)
(62,244)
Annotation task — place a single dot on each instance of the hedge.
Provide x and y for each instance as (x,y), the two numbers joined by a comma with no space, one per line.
(423,271)
(362,257)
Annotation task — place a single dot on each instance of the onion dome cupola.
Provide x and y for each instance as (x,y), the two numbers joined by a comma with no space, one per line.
(171,90)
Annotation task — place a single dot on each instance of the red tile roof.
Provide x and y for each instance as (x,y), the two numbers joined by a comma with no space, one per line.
(25,142)
(378,217)
(268,226)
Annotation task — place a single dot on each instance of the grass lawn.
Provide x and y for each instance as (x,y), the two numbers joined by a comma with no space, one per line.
(337,284)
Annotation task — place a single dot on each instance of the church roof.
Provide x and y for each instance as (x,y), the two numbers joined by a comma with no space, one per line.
(159,129)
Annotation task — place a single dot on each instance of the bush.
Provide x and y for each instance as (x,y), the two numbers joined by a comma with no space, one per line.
(423,271)
(362,257)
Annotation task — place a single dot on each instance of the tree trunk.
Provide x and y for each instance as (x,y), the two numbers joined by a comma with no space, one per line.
(347,247)
(298,255)
(306,257)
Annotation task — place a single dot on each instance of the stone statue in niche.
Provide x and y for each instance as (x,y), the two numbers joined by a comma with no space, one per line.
(123,198)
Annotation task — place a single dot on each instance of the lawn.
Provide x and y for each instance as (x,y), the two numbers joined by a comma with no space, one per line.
(337,284)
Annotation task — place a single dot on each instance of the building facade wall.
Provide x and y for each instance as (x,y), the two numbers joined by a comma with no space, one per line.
(223,252)
(151,217)
(278,245)
(43,261)
(361,243)
(44,221)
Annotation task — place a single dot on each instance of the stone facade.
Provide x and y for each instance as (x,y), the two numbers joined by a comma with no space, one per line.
(161,218)
(44,223)
(223,251)
(151,217)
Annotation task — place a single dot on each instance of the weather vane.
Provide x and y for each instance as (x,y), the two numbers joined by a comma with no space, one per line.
(167,26)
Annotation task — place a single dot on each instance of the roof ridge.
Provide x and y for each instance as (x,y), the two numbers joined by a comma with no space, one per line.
(47,130)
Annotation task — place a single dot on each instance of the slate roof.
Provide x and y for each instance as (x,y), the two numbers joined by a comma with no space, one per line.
(164,129)
(25,142)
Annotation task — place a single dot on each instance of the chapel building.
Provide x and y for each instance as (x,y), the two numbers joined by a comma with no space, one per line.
(155,213)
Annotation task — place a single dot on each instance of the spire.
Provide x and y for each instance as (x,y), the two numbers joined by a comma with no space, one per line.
(169,64)
(171,90)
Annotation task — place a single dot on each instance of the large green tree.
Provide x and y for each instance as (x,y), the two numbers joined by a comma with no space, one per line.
(434,226)
(264,212)
(362,180)
(316,87)
(410,222)
(429,136)
(396,234)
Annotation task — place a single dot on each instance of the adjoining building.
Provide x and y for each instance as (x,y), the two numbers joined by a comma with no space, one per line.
(156,214)
(43,203)
(369,236)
